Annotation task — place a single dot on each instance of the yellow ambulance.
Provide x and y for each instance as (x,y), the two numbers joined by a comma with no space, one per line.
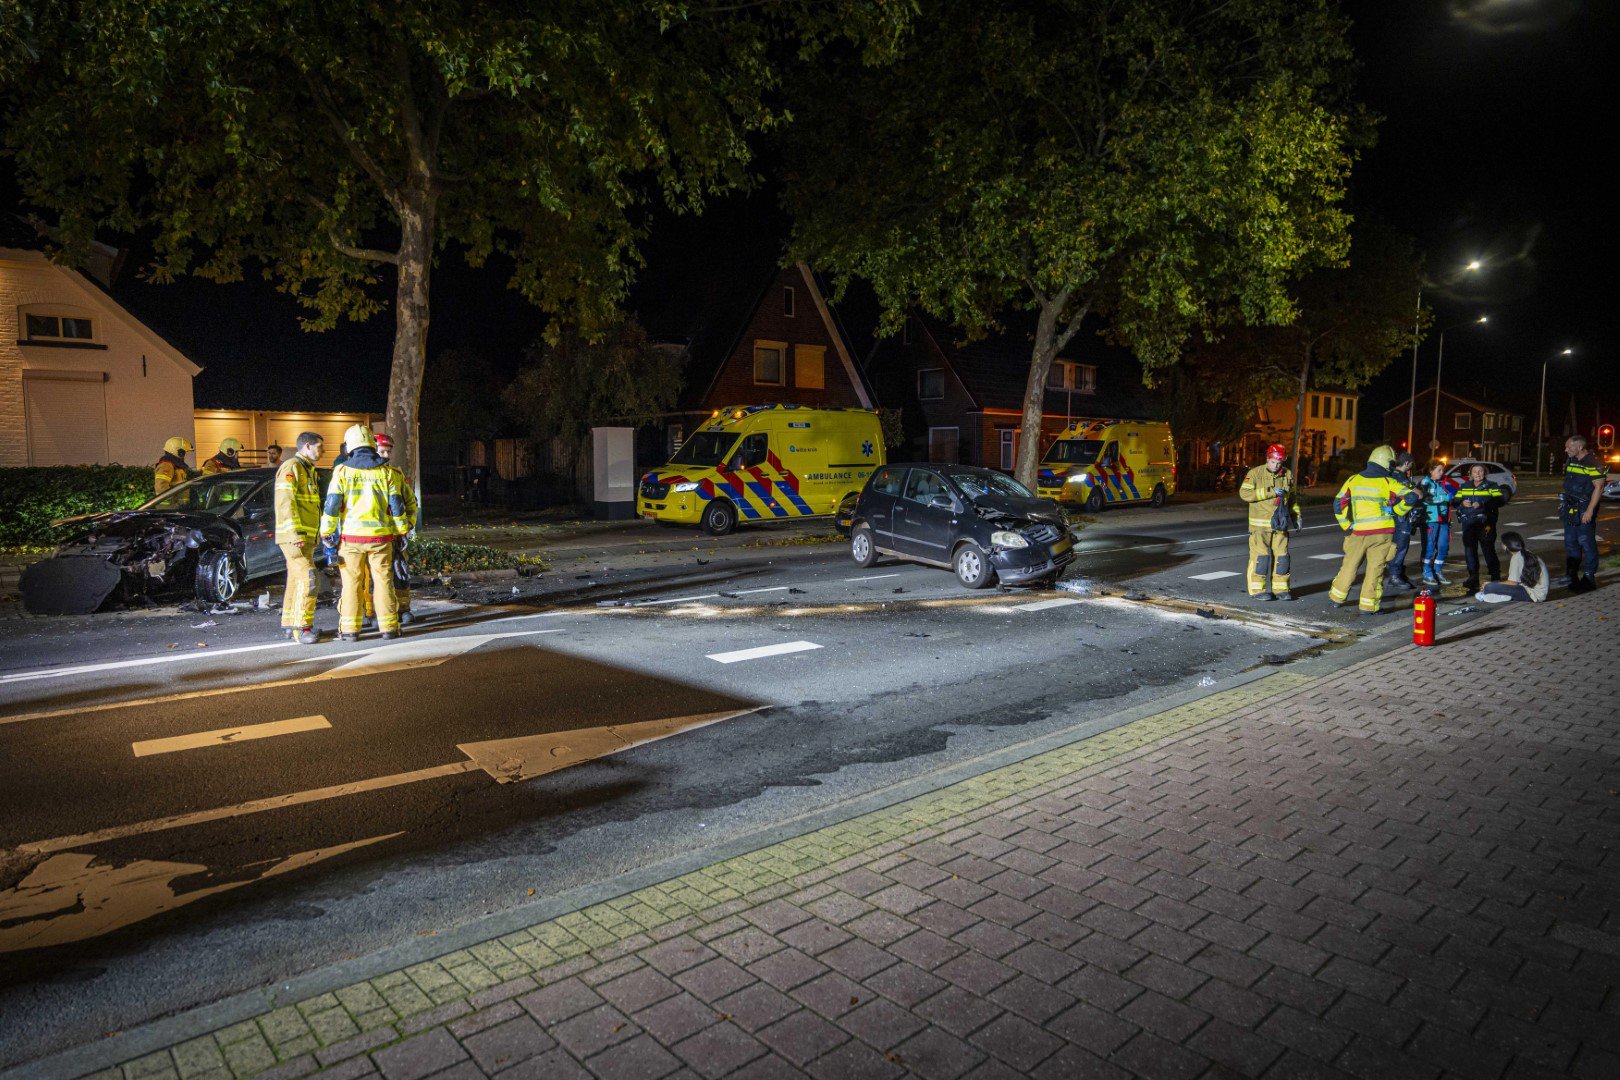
(1096,463)
(759,463)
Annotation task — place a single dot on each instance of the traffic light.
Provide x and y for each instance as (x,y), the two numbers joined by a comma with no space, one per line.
(1605,436)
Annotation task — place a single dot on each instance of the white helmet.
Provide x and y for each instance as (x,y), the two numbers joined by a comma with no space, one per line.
(359,435)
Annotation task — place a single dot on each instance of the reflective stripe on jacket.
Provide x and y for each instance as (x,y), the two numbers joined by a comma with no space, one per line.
(1488,495)
(1581,475)
(1368,501)
(1262,489)
(168,472)
(365,502)
(298,502)
(219,463)
(411,508)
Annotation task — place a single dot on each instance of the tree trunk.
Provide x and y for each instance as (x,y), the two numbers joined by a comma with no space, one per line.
(1040,363)
(416,226)
(1299,412)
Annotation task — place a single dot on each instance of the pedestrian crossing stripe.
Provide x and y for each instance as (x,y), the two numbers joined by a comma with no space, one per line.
(1329,555)
(1214,575)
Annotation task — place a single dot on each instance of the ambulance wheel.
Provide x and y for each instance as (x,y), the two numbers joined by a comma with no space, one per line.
(1160,496)
(219,577)
(1094,501)
(861,548)
(719,518)
(973,570)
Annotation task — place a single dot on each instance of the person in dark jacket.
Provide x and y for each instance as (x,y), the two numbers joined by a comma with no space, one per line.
(1478,502)
(1405,522)
(1578,502)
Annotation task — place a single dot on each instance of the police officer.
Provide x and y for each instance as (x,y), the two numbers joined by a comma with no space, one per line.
(298,526)
(225,460)
(171,468)
(1366,507)
(1577,508)
(364,517)
(1478,502)
(1269,491)
(1396,578)
(402,574)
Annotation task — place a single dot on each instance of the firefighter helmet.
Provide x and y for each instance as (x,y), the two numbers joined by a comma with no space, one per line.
(1276,450)
(385,441)
(1383,456)
(177,446)
(230,446)
(359,435)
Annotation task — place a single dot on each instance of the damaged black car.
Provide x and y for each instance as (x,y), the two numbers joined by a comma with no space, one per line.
(205,538)
(982,524)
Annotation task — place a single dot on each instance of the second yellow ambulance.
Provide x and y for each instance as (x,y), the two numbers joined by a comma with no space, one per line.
(1097,463)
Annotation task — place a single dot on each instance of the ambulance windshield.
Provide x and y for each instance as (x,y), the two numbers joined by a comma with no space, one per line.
(705,449)
(1074,452)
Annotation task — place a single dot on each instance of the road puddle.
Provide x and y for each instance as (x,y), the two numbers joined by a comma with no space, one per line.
(73,896)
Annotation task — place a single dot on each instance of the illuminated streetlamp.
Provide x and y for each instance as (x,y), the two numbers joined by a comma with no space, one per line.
(1434,427)
(1541,411)
(1411,404)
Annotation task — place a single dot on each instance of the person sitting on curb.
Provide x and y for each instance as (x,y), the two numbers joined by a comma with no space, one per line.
(1526,578)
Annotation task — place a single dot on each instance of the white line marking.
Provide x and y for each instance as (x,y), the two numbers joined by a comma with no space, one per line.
(227,736)
(1042,605)
(166,658)
(1329,555)
(762,651)
(676,600)
(1549,536)
(1214,574)
(1515,524)
(1555,517)
(1176,543)
(874,577)
(773,588)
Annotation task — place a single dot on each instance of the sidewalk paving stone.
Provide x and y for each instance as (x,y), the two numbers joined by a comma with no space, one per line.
(1399,868)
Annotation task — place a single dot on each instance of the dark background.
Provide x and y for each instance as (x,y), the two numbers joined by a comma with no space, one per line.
(1497,115)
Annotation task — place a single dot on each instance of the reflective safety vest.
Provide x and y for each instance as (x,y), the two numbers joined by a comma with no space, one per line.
(1261,489)
(411,507)
(298,502)
(365,502)
(1368,500)
(1488,495)
(219,463)
(1580,476)
(168,472)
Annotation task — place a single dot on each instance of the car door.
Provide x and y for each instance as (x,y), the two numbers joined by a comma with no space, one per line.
(877,504)
(257,516)
(925,517)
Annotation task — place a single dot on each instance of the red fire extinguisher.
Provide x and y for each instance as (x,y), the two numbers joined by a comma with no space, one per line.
(1423,619)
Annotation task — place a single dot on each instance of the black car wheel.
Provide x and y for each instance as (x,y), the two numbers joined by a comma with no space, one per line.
(973,569)
(219,576)
(720,518)
(1095,501)
(861,548)
(1160,496)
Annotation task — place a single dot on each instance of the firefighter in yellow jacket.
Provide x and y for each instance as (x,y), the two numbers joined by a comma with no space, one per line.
(364,517)
(171,468)
(298,528)
(402,574)
(226,460)
(1366,507)
(1269,491)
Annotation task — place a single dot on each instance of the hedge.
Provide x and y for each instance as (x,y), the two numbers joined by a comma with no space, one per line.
(30,499)
(428,557)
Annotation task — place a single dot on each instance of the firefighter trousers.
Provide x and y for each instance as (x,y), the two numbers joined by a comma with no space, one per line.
(402,588)
(1375,549)
(367,567)
(1268,561)
(298,598)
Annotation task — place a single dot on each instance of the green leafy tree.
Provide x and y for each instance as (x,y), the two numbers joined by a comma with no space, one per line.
(573,384)
(1350,323)
(337,143)
(1155,166)
(460,401)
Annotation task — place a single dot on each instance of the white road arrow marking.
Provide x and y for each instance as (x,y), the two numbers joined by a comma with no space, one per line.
(511,760)
(227,736)
(1042,605)
(763,651)
(413,653)
(1214,575)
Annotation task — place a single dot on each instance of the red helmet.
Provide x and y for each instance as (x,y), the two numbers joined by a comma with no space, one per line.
(385,441)
(1275,450)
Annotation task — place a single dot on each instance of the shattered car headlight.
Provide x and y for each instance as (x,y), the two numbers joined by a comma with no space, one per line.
(690,485)
(1008,539)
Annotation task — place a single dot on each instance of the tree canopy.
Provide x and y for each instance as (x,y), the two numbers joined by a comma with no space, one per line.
(1160,167)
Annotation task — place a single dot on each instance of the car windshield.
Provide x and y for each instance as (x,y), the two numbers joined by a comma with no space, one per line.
(704,448)
(208,495)
(976,482)
(1074,452)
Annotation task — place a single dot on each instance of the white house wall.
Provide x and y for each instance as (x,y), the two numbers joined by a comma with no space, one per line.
(145,404)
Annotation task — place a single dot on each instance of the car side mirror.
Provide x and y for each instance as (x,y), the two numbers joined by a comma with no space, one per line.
(942,502)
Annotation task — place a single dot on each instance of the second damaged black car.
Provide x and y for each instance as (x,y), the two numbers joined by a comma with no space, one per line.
(982,524)
(204,538)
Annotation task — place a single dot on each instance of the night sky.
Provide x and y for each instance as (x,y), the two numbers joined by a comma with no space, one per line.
(1497,114)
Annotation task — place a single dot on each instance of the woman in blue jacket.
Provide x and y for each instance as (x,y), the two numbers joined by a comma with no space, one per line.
(1437,493)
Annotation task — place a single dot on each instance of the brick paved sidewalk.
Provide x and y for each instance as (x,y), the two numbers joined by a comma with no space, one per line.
(1402,869)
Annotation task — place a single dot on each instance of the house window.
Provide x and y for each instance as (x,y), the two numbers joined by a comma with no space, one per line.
(931,384)
(1316,407)
(1057,376)
(1462,421)
(1085,378)
(1349,408)
(768,363)
(943,444)
(1516,420)
(1338,408)
(1460,449)
(1009,449)
(58,328)
(787,302)
(810,367)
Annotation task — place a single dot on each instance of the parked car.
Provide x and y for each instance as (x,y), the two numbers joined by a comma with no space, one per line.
(1495,472)
(207,538)
(982,524)
(1611,487)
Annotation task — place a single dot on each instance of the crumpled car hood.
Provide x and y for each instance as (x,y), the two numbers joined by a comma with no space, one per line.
(136,523)
(1030,509)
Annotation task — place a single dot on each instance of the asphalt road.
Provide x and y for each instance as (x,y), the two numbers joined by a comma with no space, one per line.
(180,823)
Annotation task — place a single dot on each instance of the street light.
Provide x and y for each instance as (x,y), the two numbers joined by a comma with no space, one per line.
(1411,402)
(1541,410)
(1434,425)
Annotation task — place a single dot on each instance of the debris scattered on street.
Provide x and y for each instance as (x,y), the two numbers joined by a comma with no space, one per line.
(1207,680)
(1074,586)
(1272,658)
(264,602)
(204,625)
(1208,613)
(796,592)
(899,589)
(1463,610)
(612,603)
(1140,597)
(514,590)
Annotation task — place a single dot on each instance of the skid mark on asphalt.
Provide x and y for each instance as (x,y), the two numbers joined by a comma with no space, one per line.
(762,651)
(227,736)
